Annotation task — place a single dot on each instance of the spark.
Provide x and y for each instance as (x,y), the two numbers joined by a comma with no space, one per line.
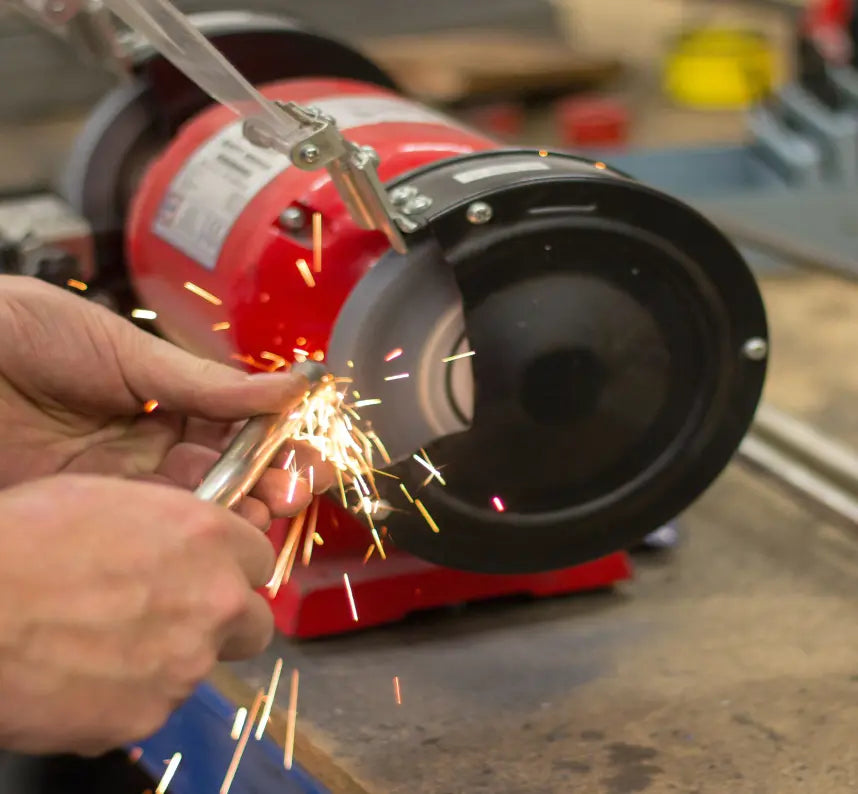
(286,558)
(318,539)
(150,405)
(269,699)
(408,496)
(365,403)
(289,460)
(397,692)
(135,754)
(310,534)
(299,351)
(458,356)
(278,361)
(318,355)
(348,586)
(311,481)
(293,484)
(202,293)
(601,166)
(291,719)
(250,361)
(427,464)
(304,270)
(242,743)
(393,354)
(369,552)
(144,314)
(498,504)
(168,773)
(543,153)
(402,376)
(78,285)
(425,513)
(378,544)
(317,242)
(238,723)
(350,364)
(225,326)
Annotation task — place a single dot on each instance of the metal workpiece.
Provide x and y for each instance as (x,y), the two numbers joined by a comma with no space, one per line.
(253,449)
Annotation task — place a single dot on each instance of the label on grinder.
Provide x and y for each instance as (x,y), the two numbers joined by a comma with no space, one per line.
(222,177)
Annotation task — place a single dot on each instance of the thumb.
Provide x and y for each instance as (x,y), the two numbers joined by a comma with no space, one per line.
(184,383)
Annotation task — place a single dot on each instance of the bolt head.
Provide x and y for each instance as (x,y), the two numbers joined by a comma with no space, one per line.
(417,204)
(400,195)
(756,349)
(293,219)
(479,212)
(309,154)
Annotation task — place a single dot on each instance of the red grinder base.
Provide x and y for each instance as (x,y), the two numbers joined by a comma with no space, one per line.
(314,602)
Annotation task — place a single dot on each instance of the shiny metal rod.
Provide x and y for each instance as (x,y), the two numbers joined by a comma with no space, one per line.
(253,449)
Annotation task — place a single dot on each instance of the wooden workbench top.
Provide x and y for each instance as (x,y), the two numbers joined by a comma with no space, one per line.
(731,665)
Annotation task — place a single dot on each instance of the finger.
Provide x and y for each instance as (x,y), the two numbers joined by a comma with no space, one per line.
(254,511)
(250,635)
(284,493)
(214,435)
(308,462)
(186,384)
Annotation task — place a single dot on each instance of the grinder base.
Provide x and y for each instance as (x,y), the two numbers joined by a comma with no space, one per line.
(313,603)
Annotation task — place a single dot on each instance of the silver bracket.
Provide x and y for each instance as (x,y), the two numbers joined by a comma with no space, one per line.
(353,169)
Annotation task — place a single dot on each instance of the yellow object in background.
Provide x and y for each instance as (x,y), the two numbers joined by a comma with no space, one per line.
(719,68)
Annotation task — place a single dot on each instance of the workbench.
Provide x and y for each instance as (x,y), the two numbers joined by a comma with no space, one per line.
(730,664)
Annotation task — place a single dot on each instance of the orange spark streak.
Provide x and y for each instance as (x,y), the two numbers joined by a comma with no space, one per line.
(397,692)
(242,743)
(79,285)
(352,606)
(393,354)
(408,496)
(278,361)
(291,719)
(225,326)
(318,539)
(250,361)
(286,553)
(377,540)
(369,552)
(144,314)
(317,242)
(269,699)
(365,403)
(168,773)
(311,533)
(304,270)
(425,513)
(402,376)
(299,351)
(293,482)
(150,405)
(498,504)
(202,293)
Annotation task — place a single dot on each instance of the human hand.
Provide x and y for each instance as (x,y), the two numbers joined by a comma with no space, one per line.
(74,378)
(116,600)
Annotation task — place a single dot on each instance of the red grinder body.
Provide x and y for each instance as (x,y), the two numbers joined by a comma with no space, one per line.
(207,212)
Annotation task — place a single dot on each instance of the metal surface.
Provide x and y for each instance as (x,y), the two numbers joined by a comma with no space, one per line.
(34,230)
(254,447)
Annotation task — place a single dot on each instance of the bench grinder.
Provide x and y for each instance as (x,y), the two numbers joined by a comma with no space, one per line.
(581,355)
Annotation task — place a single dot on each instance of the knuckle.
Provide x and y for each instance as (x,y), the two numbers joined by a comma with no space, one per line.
(229,599)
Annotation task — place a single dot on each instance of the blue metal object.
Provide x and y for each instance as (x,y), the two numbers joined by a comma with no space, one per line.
(200,731)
